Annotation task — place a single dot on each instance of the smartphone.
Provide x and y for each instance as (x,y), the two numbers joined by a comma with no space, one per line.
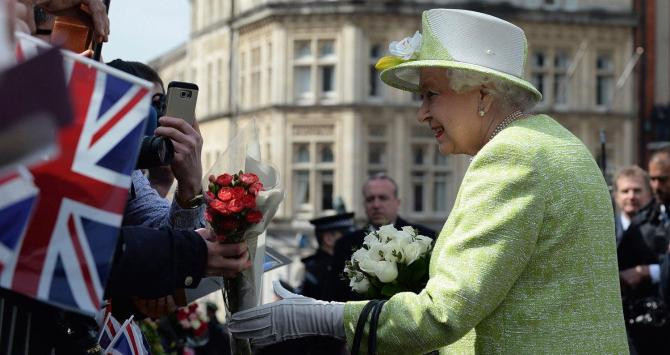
(180,101)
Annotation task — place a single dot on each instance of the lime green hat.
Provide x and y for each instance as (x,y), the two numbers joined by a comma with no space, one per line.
(458,39)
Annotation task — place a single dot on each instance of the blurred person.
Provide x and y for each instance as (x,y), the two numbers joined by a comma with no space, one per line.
(319,267)
(160,178)
(525,262)
(380,198)
(146,206)
(640,252)
(632,191)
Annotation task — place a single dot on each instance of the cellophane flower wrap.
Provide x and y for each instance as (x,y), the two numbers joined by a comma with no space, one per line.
(241,202)
(390,261)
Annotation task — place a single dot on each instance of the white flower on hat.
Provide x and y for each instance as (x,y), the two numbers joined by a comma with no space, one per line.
(407,47)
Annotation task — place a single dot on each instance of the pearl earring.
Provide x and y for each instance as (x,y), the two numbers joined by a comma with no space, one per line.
(481,113)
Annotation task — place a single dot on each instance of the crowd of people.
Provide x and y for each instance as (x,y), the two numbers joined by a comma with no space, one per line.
(643,236)
(526,261)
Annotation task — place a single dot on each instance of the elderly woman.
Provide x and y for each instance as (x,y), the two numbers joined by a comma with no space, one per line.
(526,261)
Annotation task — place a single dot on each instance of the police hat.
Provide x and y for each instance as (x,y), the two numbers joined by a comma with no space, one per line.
(342,221)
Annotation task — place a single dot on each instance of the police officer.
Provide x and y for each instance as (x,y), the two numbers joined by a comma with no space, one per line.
(318,267)
(640,253)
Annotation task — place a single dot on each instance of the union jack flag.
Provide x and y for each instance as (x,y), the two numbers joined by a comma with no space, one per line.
(19,196)
(109,330)
(129,340)
(65,253)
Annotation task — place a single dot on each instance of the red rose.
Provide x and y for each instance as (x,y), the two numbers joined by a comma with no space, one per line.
(192,307)
(249,201)
(220,206)
(210,196)
(236,206)
(181,314)
(254,216)
(255,188)
(248,179)
(230,224)
(226,194)
(224,180)
(238,192)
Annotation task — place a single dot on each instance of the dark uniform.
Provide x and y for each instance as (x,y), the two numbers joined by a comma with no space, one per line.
(344,249)
(318,267)
(645,242)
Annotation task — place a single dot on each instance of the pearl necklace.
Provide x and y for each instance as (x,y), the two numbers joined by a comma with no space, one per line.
(507,121)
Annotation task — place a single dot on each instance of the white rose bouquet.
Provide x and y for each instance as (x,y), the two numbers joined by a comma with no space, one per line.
(390,261)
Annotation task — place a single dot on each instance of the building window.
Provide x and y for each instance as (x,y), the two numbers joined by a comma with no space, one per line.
(256,75)
(539,71)
(243,80)
(604,79)
(268,86)
(549,74)
(430,175)
(377,154)
(375,89)
(219,84)
(326,189)
(314,175)
(314,77)
(210,88)
(561,64)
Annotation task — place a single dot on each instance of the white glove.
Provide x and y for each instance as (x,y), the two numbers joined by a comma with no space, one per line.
(295,316)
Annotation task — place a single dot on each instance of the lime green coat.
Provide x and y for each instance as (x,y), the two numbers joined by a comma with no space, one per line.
(526,262)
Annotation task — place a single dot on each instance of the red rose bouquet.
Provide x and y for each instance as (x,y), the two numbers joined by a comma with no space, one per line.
(239,208)
(231,205)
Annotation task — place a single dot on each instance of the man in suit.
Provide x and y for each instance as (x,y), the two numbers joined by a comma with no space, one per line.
(632,191)
(380,194)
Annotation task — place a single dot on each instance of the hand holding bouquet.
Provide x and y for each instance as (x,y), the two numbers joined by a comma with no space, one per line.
(390,261)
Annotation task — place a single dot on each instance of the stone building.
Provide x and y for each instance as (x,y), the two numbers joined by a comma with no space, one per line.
(305,71)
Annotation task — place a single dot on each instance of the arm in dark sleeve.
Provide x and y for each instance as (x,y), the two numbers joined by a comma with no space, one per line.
(152,263)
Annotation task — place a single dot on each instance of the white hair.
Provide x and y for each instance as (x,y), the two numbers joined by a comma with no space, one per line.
(511,96)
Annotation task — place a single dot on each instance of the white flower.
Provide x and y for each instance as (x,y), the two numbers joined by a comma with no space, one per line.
(367,264)
(359,286)
(371,240)
(411,252)
(425,243)
(195,324)
(391,248)
(360,254)
(407,47)
(409,230)
(386,271)
(403,238)
(387,232)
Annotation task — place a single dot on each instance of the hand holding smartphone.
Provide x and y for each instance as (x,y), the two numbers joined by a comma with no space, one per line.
(180,101)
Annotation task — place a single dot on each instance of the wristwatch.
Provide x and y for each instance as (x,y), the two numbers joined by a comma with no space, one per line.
(194,202)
